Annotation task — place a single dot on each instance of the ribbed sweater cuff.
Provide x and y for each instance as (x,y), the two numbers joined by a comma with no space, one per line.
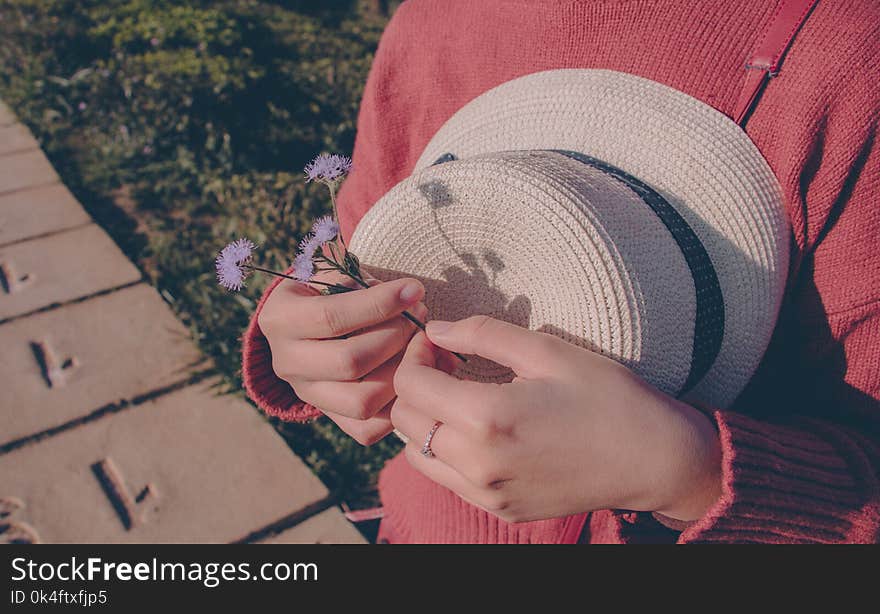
(787,484)
(271,393)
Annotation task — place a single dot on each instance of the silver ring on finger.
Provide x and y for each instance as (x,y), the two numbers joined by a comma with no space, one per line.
(426,449)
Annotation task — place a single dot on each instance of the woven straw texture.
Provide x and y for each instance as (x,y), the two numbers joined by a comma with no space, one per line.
(549,243)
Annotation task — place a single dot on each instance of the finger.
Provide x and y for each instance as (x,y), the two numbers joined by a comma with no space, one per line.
(349,358)
(528,353)
(365,432)
(447,444)
(445,360)
(436,394)
(327,316)
(358,400)
(443,474)
(275,319)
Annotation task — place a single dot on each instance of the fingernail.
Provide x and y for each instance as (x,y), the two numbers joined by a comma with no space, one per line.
(438,327)
(410,292)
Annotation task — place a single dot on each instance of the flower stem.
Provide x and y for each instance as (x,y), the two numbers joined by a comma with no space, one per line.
(290,277)
(332,187)
(405,314)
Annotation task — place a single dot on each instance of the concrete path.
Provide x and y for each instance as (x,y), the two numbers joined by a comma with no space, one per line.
(110,428)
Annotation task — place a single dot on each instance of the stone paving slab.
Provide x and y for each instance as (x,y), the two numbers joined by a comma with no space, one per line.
(6,116)
(187,467)
(38,211)
(122,345)
(24,170)
(60,268)
(16,138)
(328,527)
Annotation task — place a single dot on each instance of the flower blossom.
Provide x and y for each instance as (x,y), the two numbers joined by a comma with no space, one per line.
(303,267)
(328,168)
(325,229)
(230,272)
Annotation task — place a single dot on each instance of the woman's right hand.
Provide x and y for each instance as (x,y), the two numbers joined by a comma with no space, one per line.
(339,352)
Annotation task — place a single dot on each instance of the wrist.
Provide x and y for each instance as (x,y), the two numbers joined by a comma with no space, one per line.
(696,481)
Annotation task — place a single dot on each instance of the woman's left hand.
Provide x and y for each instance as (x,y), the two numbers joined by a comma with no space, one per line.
(573,432)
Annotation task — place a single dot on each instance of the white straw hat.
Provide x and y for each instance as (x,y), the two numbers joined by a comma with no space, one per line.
(613,211)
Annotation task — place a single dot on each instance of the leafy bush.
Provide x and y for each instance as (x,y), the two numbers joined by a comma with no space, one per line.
(181,125)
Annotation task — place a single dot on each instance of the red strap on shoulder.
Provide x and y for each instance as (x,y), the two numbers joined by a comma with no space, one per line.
(766,60)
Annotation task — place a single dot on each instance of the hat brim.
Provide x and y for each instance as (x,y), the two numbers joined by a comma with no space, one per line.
(702,162)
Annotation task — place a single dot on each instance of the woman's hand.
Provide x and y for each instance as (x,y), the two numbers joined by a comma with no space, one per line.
(574,432)
(339,352)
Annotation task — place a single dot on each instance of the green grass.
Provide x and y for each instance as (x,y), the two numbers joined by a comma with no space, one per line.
(183,125)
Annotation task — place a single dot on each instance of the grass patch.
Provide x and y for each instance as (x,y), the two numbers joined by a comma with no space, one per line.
(183,125)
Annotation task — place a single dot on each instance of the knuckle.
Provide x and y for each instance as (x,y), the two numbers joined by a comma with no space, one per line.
(484,475)
(478,323)
(379,308)
(304,392)
(369,439)
(281,368)
(547,344)
(359,433)
(510,516)
(496,503)
(379,397)
(490,426)
(394,414)
(399,381)
(350,365)
(360,438)
(362,405)
(331,319)
(484,429)
(276,365)
(266,320)
(361,408)
(368,436)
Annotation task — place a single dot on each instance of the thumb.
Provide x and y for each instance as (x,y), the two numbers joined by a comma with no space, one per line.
(422,352)
(527,352)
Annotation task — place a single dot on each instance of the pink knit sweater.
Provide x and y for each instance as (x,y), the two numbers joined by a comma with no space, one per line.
(801,446)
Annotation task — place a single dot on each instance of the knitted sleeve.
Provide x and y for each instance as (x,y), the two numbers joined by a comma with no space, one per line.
(809,479)
(271,393)
(377,165)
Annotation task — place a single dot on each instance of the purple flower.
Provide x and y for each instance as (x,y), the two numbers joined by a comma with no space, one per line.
(309,245)
(328,168)
(303,267)
(325,229)
(230,273)
(81,106)
(154,42)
